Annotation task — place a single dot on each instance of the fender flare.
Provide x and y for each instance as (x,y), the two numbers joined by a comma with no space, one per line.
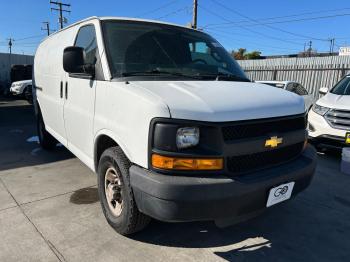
(115,138)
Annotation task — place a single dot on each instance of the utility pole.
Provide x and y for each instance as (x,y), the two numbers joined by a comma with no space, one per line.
(331,47)
(60,10)
(195,13)
(47,27)
(310,48)
(10,43)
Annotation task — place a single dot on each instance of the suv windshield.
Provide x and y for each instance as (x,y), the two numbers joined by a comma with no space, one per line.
(146,49)
(343,87)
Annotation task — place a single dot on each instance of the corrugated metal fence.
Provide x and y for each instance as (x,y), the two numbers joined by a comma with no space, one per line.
(311,72)
(6,61)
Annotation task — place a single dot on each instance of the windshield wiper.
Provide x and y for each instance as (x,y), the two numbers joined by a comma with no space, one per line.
(156,72)
(222,76)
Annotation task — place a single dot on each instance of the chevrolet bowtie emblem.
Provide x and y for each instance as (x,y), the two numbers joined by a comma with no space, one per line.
(273,141)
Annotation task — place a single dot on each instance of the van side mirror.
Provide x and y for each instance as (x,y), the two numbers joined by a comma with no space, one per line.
(323,90)
(74,61)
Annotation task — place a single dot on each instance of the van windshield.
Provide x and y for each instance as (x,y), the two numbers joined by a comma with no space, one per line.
(343,87)
(145,49)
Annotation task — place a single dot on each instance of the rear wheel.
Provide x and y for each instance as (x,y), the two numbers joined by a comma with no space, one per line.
(116,195)
(46,140)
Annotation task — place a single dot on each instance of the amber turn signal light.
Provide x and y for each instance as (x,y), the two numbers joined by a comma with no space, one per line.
(177,163)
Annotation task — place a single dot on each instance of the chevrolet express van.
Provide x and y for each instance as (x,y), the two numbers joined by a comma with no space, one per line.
(169,122)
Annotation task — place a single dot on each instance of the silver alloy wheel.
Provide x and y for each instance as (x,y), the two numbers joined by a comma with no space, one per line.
(113,191)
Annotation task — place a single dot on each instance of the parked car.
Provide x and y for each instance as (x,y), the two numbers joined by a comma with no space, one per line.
(22,88)
(294,87)
(329,120)
(169,122)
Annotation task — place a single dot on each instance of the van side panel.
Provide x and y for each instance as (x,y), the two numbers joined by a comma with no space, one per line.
(48,74)
(124,112)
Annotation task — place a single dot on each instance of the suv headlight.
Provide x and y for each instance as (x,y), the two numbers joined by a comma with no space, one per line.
(321,110)
(187,137)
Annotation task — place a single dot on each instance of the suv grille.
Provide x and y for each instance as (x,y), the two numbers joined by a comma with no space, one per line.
(249,129)
(251,162)
(338,118)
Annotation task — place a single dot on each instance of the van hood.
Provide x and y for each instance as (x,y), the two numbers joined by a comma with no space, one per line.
(219,101)
(335,101)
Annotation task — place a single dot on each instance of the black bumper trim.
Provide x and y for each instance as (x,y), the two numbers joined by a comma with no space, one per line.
(185,198)
(329,141)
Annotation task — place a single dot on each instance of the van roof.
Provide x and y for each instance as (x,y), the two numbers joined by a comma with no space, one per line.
(117,19)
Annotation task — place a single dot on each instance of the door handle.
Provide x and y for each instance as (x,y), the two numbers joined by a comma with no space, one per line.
(66,90)
(61,89)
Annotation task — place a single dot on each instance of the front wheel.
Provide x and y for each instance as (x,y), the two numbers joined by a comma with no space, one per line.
(46,140)
(116,196)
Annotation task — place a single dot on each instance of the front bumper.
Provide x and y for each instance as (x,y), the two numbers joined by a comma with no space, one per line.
(15,91)
(183,198)
(323,135)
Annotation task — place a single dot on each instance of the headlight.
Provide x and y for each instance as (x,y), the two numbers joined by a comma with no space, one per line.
(187,137)
(321,110)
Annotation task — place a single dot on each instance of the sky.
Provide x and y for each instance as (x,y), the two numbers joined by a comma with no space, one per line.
(272,27)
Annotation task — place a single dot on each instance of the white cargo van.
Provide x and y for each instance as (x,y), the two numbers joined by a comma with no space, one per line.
(169,122)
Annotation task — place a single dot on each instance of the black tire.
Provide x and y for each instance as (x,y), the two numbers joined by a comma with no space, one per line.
(130,220)
(46,140)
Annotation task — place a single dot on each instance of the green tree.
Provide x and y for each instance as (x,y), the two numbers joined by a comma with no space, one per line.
(241,54)
(253,55)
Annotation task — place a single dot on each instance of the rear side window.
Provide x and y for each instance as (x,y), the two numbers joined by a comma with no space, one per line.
(297,89)
(86,39)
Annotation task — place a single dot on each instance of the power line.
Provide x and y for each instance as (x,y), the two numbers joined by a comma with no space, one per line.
(158,8)
(258,23)
(250,30)
(174,12)
(279,17)
(30,37)
(266,25)
(60,10)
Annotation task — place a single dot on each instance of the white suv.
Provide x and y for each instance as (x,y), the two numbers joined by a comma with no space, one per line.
(169,122)
(21,87)
(329,120)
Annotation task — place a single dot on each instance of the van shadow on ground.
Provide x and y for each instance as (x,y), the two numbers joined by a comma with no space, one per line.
(18,141)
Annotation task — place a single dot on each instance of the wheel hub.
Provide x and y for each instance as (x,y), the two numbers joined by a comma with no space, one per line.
(113,191)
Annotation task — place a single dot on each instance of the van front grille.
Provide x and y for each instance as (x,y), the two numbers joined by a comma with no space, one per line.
(338,118)
(263,127)
(252,162)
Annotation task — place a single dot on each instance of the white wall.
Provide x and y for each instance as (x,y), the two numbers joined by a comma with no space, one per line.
(312,72)
(6,61)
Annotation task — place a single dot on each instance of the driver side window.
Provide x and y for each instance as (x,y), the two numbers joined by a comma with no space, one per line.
(86,39)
